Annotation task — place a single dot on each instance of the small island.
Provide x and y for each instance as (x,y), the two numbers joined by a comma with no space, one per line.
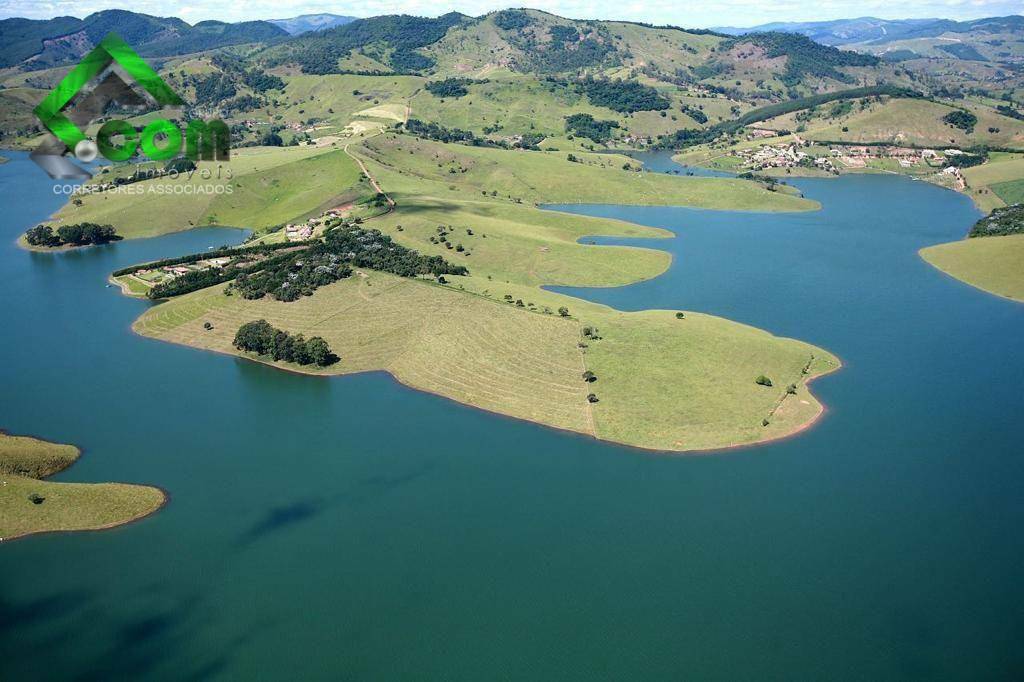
(29,504)
(43,237)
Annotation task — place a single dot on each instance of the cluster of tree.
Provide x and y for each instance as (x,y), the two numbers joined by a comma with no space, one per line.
(962,119)
(967,160)
(299,272)
(1009,111)
(214,88)
(272,139)
(436,131)
(1002,221)
(512,19)
(695,113)
(223,252)
(450,87)
(78,234)
(241,104)
(319,52)
(564,48)
(208,277)
(585,125)
(288,279)
(375,250)
(263,338)
(804,57)
(194,281)
(261,81)
(622,96)
(530,141)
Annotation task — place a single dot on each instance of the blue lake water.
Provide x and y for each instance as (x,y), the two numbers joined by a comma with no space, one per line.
(351,528)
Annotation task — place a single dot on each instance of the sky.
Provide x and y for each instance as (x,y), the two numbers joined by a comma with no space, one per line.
(688,13)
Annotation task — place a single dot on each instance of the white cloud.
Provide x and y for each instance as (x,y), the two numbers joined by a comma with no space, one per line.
(694,14)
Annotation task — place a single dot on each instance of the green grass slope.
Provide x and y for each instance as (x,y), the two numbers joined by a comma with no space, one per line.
(410,166)
(268,186)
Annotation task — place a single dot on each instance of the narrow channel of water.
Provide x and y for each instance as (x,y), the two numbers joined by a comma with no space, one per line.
(351,528)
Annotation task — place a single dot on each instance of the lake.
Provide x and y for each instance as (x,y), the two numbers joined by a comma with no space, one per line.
(351,528)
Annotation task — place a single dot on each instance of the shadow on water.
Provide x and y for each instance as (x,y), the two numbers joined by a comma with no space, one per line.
(279,518)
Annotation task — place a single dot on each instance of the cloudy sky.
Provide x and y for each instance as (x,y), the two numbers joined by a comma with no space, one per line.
(692,13)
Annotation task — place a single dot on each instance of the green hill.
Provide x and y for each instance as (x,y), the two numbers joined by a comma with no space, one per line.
(64,40)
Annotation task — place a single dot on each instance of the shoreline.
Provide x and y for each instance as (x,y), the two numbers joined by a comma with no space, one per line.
(166,498)
(691,452)
(80,452)
(950,275)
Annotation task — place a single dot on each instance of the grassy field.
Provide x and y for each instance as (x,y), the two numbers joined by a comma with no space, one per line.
(411,167)
(998,182)
(1011,192)
(918,122)
(64,506)
(662,383)
(268,186)
(995,264)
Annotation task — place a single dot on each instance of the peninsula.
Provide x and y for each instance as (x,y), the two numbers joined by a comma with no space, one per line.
(29,504)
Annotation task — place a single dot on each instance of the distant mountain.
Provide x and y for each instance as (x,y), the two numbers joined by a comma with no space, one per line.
(841,31)
(311,22)
(65,39)
(870,30)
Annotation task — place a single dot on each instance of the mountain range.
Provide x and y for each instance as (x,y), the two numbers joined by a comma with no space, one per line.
(311,22)
(881,31)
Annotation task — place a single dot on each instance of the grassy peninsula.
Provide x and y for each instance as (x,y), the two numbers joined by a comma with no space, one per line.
(991,257)
(494,339)
(993,264)
(29,504)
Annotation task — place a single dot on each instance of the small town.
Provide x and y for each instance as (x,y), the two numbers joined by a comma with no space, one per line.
(833,158)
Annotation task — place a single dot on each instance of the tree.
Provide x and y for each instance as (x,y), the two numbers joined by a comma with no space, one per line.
(962,119)
(563,311)
(255,337)
(680,316)
(763,381)
(272,140)
(591,398)
(589,377)
(42,235)
(262,338)
(319,352)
